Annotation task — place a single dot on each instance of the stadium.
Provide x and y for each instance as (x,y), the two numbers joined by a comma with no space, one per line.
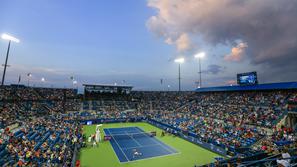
(244,114)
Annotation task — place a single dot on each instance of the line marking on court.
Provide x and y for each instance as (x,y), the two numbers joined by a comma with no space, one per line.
(160,156)
(139,145)
(151,145)
(162,145)
(112,147)
(159,143)
(119,146)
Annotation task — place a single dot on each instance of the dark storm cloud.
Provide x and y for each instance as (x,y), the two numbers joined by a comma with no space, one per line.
(268,27)
(214,69)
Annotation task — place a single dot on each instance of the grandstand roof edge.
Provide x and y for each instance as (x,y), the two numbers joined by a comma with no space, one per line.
(110,85)
(266,86)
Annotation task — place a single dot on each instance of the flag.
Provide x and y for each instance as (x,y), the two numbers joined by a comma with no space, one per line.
(161,80)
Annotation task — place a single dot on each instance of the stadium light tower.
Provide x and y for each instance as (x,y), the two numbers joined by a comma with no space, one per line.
(199,56)
(42,81)
(74,83)
(29,75)
(10,39)
(179,61)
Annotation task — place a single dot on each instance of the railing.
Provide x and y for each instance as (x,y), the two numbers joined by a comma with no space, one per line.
(191,137)
(74,157)
(293,110)
(270,161)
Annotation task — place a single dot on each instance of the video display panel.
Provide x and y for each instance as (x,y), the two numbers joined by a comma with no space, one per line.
(247,78)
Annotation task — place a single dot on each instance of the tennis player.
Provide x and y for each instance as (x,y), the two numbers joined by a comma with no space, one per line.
(136,153)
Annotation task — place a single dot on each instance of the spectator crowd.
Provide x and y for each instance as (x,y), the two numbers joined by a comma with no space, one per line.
(230,120)
(40,126)
(33,131)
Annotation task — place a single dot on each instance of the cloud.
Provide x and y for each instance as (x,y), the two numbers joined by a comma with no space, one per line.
(214,69)
(183,43)
(237,52)
(169,41)
(267,26)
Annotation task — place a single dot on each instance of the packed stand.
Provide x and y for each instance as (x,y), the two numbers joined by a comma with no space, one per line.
(33,131)
(227,119)
(46,141)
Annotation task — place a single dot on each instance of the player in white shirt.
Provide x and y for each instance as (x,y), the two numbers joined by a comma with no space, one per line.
(136,153)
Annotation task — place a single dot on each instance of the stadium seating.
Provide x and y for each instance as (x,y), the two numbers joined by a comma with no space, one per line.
(39,126)
(32,131)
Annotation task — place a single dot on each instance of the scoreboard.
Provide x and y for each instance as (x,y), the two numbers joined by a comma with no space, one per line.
(106,89)
(249,78)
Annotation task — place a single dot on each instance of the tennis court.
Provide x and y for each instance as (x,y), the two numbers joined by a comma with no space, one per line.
(126,140)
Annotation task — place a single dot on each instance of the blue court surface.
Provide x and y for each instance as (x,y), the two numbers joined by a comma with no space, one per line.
(125,141)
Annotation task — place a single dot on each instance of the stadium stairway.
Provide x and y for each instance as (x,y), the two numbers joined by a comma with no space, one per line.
(281,118)
(259,141)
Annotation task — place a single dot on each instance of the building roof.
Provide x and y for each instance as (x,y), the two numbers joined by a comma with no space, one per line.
(108,85)
(268,86)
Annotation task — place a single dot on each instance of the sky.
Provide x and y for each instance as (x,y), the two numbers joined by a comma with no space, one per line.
(135,42)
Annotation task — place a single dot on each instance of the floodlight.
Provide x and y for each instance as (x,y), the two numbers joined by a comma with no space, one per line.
(200,55)
(179,60)
(10,38)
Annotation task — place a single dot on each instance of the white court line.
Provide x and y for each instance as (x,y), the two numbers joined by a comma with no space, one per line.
(119,146)
(112,147)
(144,159)
(160,143)
(151,145)
(139,145)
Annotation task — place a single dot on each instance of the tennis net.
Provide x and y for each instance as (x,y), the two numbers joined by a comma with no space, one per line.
(131,135)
